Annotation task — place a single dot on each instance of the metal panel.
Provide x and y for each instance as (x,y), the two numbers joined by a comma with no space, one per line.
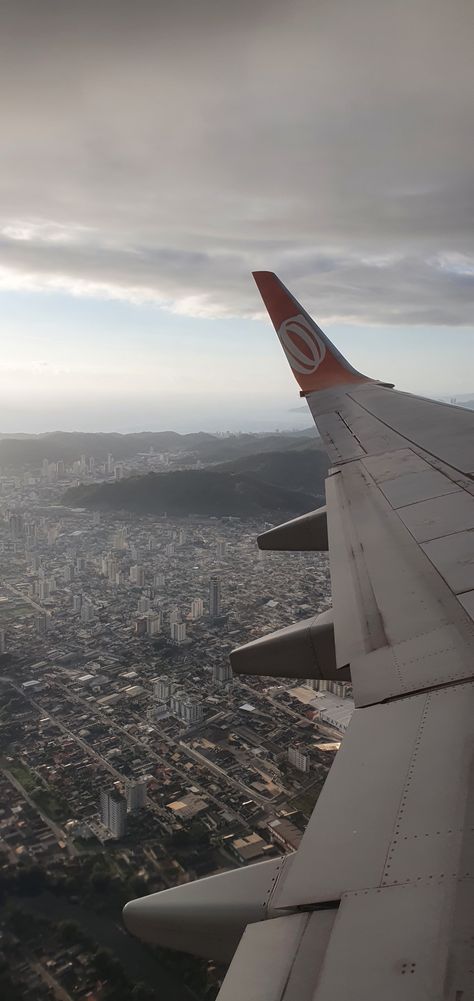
(357,621)
(346,841)
(340,444)
(432,519)
(394,464)
(414,487)
(309,958)
(392,945)
(279,960)
(430,832)
(453,557)
(262,963)
(444,431)
(467,601)
(436,657)
(373,435)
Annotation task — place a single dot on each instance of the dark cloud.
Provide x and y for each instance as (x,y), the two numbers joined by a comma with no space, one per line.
(166,149)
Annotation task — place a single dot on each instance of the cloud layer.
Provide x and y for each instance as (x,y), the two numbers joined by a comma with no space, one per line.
(157,151)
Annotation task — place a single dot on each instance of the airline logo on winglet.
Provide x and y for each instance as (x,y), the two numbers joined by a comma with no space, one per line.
(303,348)
(315,361)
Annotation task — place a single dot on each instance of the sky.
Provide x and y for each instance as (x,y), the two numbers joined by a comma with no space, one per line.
(153,154)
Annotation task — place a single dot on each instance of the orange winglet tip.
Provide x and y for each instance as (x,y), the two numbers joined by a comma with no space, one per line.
(315,362)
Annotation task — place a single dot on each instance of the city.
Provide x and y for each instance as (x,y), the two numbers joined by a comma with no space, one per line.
(130,755)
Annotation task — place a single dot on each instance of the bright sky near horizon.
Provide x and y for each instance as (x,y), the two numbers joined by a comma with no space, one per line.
(153,154)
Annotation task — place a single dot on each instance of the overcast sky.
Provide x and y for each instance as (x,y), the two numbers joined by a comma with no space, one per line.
(153,153)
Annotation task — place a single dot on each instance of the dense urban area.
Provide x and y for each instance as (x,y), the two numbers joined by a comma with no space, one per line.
(131,759)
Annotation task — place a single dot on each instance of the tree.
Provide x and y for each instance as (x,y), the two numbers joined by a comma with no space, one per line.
(107,966)
(141,992)
(70,933)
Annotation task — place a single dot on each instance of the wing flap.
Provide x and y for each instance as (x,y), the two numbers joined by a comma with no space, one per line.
(280,960)
(402,774)
(396,621)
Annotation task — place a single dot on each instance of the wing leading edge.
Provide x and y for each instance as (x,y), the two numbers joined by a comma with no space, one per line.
(378,900)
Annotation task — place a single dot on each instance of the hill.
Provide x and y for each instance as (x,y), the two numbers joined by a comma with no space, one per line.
(296,469)
(30,451)
(203,492)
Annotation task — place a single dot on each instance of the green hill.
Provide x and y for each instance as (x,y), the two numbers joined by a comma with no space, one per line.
(204,492)
(297,469)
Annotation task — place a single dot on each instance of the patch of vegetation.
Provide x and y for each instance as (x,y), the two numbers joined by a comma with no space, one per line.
(27,779)
(52,805)
(306,801)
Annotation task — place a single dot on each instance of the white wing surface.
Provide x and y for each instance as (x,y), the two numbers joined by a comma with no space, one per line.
(378,902)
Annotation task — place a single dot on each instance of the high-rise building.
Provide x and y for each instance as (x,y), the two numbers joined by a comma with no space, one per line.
(159,580)
(143,604)
(192,711)
(3,645)
(342,689)
(175,615)
(178,632)
(140,626)
(298,758)
(110,463)
(30,531)
(136,794)
(214,597)
(318,684)
(113,812)
(222,673)
(112,570)
(162,688)
(119,471)
(87,610)
(52,534)
(221,547)
(197,608)
(169,549)
(17,526)
(43,590)
(153,623)
(186,707)
(137,575)
(41,623)
(76,602)
(159,710)
(120,539)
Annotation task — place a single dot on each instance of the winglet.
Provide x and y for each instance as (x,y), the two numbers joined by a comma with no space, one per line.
(315,362)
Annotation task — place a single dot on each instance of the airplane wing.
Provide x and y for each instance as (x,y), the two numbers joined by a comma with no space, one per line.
(378,902)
